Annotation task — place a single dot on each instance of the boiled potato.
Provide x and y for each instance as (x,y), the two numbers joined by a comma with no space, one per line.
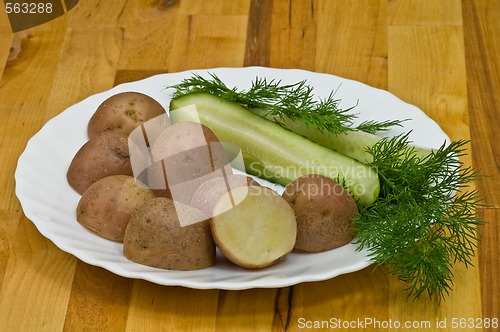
(104,155)
(155,237)
(106,206)
(257,232)
(190,154)
(123,111)
(324,212)
(209,192)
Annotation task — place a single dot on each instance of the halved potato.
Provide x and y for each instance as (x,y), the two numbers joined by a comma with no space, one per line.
(123,111)
(257,232)
(106,206)
(155,236)
(104,155)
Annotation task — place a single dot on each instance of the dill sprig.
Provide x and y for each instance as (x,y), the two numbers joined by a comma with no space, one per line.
(373,127)
(293,101)
(425,218)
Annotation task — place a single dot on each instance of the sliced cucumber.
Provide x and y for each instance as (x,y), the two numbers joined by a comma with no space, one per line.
(352,143)
(272,152)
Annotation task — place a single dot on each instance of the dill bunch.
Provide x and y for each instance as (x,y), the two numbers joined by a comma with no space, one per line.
(425,219)
(292,101)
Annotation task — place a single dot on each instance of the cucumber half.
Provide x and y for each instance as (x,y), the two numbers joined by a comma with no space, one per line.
(272,152)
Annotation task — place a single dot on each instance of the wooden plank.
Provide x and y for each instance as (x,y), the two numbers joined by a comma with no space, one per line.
(258,33)
(433,81)
(425,12)
(148,34)
(6,39)
(24,90)
(8,226)
(125,75)
(93,14)
(482,45)
(481,31)
(331,300)
(4,24)
(489,262)
(37,283)
(158,308)
(205,41)
(427,68)
(251,309)
(216,7)
(357,35)
(293,34)
(92,52)
(101,295)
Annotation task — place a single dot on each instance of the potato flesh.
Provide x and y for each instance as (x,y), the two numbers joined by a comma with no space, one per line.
(257,232)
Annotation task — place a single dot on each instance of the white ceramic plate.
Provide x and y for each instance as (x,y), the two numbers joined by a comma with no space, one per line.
(50,202)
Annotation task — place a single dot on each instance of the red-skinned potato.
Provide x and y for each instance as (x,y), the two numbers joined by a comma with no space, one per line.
(104,155)
(123,111)
(155,237)
(106,206)
(324,212)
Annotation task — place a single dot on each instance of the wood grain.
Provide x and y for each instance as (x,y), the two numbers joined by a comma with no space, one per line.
(37,283)
(442,93)
(441,56)
(481,30)
(99,294)
(258,32)
(24,88)
(293,34)
(357,40)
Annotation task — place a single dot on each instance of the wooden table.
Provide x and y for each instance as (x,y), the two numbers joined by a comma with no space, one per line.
(442,56)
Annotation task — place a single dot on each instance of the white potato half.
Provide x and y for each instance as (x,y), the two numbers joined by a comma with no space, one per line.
(257,232)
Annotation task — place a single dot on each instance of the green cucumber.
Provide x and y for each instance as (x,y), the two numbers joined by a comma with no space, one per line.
(272,152)
(351,143)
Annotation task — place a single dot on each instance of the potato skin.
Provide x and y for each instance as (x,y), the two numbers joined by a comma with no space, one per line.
(154,237)
(123,111)
(106,206)
(324,212)
(104,155)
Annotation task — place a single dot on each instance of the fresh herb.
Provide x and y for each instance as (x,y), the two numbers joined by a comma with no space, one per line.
(293,101)
(373,127)
(425,217)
